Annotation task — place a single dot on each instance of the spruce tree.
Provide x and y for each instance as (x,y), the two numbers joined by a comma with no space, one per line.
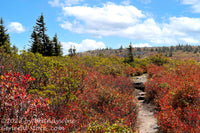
(49,51)
(72,51)
(130,54)
(36,46)
(4,38)
(57,46)
(121,48)
(40,40)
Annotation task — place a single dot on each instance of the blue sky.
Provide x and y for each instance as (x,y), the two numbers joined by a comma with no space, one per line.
(92,24)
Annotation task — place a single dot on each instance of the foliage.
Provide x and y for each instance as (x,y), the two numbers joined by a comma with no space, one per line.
(176,93)
(107,127)
(104,99)
(76,90)
(21,112)
(36,65)
(158,59)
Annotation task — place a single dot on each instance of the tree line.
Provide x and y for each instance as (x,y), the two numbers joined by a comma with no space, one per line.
(40,42)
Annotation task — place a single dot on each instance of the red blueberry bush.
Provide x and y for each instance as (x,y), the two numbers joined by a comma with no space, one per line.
(176,93)
(19,110)
(103,99)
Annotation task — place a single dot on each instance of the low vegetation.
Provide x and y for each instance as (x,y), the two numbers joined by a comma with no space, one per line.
(174,89)
(43,91)
(82,93)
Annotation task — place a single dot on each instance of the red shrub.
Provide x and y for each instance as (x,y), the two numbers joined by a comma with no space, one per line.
(177,95)
(104,99)
(21,112)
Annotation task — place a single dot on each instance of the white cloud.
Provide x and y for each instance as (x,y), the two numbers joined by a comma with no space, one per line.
(147,30)
(129,22)
(141,45)
(108,14)
(15,27)
(195,4)
(101,21)
(126,2)
(85,45)
(61,3)
(184,25)
(191,40)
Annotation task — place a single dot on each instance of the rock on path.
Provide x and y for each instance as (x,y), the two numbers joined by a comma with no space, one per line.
(146,121)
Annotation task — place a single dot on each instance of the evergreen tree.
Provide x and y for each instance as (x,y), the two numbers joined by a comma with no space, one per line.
(196,50)
(130,54)
(4,38)
(121,48)
(57,46)
(48,51)
(170,51)
(72,51)
(40,40)
(36,46)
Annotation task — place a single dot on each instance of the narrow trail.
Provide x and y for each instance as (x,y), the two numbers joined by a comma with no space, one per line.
(146,121)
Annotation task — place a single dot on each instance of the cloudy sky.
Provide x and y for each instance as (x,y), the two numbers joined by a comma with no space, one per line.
(92,24)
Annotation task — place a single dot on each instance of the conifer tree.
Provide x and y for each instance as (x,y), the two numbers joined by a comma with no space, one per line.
(72,51)
(57,46)
(4,38)
(36,46)
(40,40)
(130,53)
(49,51)
(130,56)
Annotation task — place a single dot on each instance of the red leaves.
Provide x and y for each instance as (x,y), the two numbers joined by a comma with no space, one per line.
(16,105)
(104,98)
(176,93)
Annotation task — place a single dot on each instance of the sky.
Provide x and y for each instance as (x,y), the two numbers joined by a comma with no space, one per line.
(94,24)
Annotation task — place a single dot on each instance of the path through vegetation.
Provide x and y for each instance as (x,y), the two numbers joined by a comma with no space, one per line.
(146,122)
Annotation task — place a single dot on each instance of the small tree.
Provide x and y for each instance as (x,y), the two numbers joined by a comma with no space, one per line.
(49,50)
(170,51)
(130,57)
(57,46)
(36,45)
(121,48)
(72,51)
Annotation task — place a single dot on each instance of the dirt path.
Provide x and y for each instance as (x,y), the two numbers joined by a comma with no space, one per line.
(146,122)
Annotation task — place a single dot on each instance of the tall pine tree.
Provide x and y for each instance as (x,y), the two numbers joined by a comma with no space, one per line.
(4,38)
(39,39)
